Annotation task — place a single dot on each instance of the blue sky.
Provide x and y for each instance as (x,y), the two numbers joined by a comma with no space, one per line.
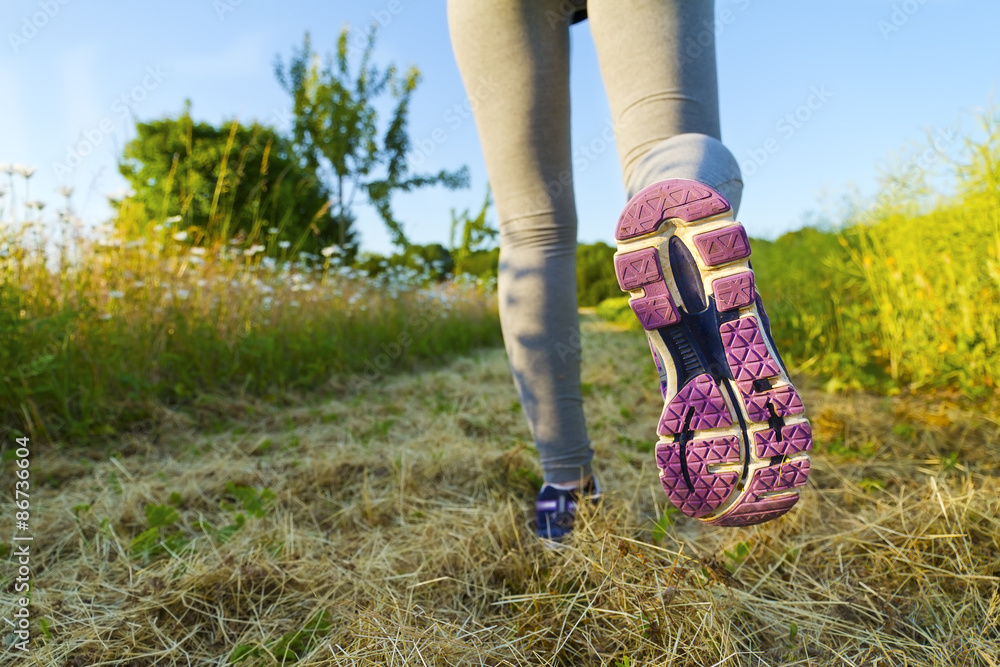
(891,72)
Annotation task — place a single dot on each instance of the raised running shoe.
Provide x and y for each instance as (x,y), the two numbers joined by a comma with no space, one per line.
(733,440)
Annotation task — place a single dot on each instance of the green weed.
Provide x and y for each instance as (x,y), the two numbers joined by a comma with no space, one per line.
(663,525)
(737,556)
(290,647)
(871,484)
(162,537)
(249,500)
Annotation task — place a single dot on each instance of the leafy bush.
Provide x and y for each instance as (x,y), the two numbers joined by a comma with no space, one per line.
(617,310)
(482,264)
(595,274)
(228,180)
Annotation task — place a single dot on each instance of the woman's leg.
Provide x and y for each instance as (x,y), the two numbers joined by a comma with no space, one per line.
(733,441)
(518,55)
(658,64)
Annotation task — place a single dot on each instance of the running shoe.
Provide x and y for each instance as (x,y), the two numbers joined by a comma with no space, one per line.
(733,440)
(555,509)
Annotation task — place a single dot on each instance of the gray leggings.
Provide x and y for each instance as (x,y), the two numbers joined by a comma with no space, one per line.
(661,86)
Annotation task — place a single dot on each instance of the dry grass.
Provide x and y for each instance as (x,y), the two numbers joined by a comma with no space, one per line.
(399,535)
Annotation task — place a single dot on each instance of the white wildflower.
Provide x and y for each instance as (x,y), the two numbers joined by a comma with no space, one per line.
(174,218)
(272,230)
(198,250)
(253,250)
(24,170)
(284,244)
(329,250)
(183,293)
(180,236)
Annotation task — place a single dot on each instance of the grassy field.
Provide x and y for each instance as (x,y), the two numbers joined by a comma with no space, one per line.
(108,336)
(390,527)
(245,456)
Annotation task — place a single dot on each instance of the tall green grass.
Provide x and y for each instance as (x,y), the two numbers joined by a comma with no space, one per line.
(906,295)
(100,336)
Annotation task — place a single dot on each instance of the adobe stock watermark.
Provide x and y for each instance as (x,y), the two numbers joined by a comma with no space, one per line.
(572,347)
(32,24)
(786,127)
(901,14)
(588,153)
(121,107)
(941,139)
(223,7)
(694,45)
(392,352)
(358,38)
(697,44)
(564,12)
(583,156)
(453,118)
(281,118)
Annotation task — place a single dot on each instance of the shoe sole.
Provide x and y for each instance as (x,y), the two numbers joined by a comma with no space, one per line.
(733,439)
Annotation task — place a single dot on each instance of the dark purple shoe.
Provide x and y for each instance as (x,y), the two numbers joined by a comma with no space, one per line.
(733,441)
(555,509)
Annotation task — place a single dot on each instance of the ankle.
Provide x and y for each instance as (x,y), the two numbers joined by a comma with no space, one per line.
(571,485)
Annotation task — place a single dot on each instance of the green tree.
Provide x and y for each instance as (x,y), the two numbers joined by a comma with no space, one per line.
(477,236)
(337,132)
(228,180)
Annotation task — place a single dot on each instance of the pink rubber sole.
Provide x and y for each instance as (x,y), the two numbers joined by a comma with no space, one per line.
(733,442)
